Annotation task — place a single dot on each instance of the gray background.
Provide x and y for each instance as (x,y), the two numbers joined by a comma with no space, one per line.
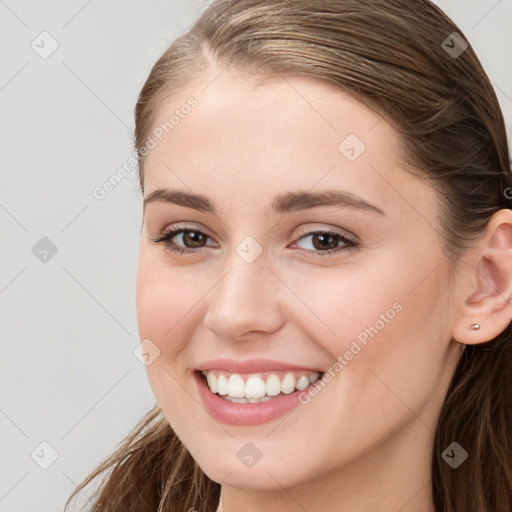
(68,374)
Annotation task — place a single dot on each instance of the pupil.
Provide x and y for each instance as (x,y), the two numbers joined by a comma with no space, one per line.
(194,236)
(324,238)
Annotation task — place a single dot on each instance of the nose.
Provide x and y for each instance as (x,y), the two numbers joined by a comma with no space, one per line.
(246,302)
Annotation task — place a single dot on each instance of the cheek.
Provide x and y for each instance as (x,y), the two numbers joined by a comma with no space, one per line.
(338,306)
(164,308)
(166,302)
(384,330)
(387,352)
(164,297)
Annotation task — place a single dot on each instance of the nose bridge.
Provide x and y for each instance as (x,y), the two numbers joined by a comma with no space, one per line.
(246,298)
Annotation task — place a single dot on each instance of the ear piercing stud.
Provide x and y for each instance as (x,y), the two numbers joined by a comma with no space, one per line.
(475,327)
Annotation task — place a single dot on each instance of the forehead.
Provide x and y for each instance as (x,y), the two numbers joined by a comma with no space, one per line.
(299,113)
(260,139)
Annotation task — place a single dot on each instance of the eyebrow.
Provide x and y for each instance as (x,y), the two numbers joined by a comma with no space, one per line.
(282,203)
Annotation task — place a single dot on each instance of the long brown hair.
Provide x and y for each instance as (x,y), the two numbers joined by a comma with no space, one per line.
(399,57)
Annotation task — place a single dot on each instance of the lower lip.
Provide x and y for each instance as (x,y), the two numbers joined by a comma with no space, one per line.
(231,413)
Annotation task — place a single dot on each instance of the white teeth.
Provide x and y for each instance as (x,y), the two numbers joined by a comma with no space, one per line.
(247,400)
(236,386)
(212,382)
(302,382)
(288,384)
(273,385)
(236,400)
(262,399)
(255,389)
(222,385)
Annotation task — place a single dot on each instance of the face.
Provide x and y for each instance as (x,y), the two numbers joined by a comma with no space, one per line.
(351,284)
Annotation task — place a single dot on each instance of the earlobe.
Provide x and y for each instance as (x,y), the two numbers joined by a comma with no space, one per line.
(486,309)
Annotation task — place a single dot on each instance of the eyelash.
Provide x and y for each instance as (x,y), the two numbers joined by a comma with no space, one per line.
(165,237)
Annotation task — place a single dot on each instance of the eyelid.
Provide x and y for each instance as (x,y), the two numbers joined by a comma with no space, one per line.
(183,227)
(308,229)
(164,236)
(351,242)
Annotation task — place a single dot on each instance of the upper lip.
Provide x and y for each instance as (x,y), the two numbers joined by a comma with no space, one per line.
(251,366)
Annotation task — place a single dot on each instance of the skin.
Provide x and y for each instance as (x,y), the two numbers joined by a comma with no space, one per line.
(365,441)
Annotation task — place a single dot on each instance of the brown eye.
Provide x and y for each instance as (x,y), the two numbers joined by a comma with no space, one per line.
(327,242)
(193,239)
(324,241)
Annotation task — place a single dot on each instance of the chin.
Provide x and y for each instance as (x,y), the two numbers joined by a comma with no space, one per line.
(264,475)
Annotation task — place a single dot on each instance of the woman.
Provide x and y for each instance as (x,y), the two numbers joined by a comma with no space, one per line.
(325,267)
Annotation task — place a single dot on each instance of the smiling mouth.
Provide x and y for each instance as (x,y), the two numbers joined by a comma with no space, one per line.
(257,387)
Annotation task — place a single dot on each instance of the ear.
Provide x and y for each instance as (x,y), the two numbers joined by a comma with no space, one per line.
(485,284)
